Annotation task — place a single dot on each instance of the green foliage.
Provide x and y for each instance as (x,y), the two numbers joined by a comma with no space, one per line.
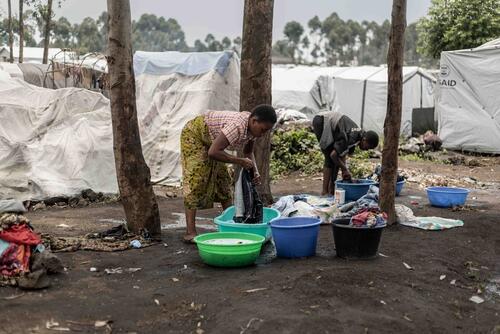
(153,33)
(335,41)
(360,165)
(290,47)
(458,24)
(295,150)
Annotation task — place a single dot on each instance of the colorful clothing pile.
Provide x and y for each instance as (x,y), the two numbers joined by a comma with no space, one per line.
(16,239)
(369,218)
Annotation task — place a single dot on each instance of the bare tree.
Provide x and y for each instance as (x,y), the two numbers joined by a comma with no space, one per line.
(255,86)
(134,177)
(392,122)
(46,41)
(11,36)
(21,31)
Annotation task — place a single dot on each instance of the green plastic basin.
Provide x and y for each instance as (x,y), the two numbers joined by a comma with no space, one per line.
(221,249)
(225,223)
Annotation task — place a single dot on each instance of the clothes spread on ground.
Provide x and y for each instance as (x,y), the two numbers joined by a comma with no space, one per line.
(407,218)
(307,206)
(248,206)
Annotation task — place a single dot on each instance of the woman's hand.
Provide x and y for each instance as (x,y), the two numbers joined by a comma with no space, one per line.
(246,163)
(257,180)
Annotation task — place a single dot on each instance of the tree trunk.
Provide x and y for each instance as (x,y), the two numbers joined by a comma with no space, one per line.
(134,178)
(46,41)
(392,122)
(21,31)
(255,86)
(11,37)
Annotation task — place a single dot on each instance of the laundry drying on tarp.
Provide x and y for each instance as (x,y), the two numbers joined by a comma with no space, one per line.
(407,218)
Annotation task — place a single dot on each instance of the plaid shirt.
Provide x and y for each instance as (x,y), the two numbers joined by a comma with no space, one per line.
(233,124)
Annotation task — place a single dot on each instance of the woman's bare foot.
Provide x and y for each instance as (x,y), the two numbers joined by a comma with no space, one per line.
(189,238)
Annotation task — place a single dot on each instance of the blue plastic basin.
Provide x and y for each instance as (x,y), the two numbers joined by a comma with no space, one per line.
(399,186)
(295,236)
(226,223)
(354,191)
(445,197)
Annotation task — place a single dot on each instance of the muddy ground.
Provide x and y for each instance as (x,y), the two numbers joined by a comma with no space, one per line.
(174,292)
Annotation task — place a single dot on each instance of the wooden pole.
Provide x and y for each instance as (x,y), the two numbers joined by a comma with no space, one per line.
(255,86)
(134,178)
(392,122)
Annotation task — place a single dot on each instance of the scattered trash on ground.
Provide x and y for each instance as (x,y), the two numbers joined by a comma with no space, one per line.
(255,290)
(120,270)
(135,244)
(407,266)
(244,329)
(117,238)
(442,277)
(476,299)
(53,325)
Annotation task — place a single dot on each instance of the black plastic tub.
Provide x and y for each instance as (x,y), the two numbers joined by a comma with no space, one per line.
(356,242)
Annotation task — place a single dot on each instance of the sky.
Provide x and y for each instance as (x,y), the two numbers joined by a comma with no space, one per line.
(224,17)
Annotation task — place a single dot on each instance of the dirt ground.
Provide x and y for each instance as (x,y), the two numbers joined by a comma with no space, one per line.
(174,292)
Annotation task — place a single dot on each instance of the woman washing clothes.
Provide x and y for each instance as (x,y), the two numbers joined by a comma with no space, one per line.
(338,137)
(204,140)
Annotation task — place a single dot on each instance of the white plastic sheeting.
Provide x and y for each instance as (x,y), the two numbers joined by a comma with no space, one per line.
(361,94)
(468,99)
(308,89)
(59,142)
(166,102)
(53,142)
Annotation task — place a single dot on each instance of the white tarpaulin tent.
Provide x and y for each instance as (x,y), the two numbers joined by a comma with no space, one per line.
(468,99)
(361,93)
(59,142)
(171,89)
(308,89)
(53,142)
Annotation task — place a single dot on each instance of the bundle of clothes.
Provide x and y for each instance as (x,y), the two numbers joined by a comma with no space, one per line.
(247,203)
(364,212)
(305,205)
(24,262)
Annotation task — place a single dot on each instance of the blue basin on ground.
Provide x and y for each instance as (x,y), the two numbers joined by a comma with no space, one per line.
(446,197)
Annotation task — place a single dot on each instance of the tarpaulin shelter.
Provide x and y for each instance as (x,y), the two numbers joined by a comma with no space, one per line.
(173,88)
(308,89)
(59,142)
(468,99)
(361,93)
